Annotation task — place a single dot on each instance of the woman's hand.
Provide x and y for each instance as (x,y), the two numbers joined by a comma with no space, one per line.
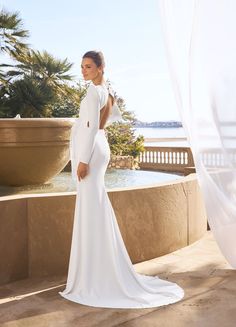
(82,170)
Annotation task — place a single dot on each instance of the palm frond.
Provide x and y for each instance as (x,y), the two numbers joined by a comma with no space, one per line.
(12,33)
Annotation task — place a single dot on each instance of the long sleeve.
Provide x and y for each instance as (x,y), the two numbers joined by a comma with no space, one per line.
(91,127)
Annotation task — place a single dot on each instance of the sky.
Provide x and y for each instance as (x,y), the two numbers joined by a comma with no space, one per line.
(128,32)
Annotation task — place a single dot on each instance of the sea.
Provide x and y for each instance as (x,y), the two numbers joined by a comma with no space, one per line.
(173,133)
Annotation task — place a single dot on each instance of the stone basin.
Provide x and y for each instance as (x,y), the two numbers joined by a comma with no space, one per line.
(33,150)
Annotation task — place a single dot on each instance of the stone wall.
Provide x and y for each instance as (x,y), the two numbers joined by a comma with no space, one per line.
(123,162)
(36,229)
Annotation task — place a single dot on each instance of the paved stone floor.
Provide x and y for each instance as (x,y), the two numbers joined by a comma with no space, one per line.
(208,280)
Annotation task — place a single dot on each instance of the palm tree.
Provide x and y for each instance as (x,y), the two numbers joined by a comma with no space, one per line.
(36,82)
(27,97)
(12,39)
(12,33)
(42,66)
(2,77)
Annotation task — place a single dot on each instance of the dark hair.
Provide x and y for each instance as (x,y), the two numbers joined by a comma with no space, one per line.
(97,57)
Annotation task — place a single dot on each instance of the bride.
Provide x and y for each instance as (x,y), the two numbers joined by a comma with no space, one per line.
(100,272)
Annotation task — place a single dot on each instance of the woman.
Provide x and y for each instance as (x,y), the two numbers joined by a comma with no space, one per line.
(101,273)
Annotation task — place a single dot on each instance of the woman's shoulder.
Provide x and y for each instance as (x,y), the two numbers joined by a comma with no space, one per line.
(97,93)
(97,90)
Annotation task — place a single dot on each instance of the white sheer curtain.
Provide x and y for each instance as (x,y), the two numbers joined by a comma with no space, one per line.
(200,38)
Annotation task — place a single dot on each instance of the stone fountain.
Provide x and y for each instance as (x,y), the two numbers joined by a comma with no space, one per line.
(33,150)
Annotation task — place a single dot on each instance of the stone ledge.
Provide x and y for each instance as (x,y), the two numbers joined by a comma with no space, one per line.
(35,234)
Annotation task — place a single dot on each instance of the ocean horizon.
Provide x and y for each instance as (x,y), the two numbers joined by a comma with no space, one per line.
(162,133)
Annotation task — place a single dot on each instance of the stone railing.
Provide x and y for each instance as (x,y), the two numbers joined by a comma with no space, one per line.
(175,159)
(214,158)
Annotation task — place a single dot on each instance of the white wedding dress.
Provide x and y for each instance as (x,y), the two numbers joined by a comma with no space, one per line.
(101,273)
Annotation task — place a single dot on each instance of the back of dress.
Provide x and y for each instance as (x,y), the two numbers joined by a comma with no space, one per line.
(85,128)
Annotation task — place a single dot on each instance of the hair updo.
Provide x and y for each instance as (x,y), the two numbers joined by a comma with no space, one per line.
(97,57)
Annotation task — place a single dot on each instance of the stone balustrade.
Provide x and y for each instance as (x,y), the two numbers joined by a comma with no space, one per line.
(214,158)
(166,158)
(173,159)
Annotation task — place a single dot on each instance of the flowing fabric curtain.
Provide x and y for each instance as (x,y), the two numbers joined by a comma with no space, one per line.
(200,39)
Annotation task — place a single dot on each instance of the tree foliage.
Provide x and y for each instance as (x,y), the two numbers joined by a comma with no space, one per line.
(34,84)
(12,33)
(65,106)
(121,135)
